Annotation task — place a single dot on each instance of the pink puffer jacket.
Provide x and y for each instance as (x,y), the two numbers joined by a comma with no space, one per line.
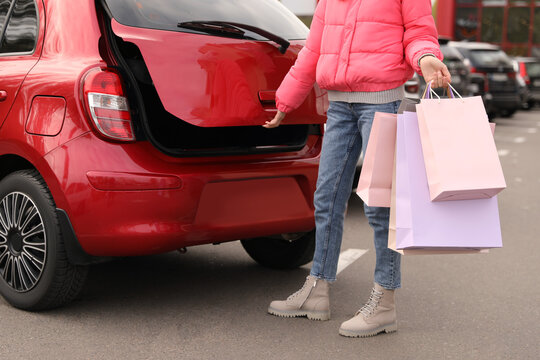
(360,45)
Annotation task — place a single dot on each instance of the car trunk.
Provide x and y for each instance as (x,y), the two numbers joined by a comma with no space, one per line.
(501,80)
(498,69)
(202,95)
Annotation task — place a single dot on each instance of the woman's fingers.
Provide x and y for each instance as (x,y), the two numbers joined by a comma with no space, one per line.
(447,76)
(275,121)
(271,124)
(441,78)
(436,71)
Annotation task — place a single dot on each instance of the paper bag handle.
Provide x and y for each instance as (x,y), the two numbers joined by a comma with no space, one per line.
(450,90)
(428,91)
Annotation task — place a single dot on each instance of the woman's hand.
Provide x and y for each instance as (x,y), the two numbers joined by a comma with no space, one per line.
(275,121)
(434,70)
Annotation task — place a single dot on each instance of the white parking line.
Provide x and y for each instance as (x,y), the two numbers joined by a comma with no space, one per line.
(519,140)
(348,257)
(532,130)
(503,152)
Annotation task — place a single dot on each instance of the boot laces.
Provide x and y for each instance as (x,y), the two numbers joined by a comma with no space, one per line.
(306,284)
(369,308)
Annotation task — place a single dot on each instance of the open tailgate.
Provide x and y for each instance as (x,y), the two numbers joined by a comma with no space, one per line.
(213,81)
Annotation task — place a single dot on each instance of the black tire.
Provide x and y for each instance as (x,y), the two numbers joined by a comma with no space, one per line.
(508,113)
(277,252)
(35,273)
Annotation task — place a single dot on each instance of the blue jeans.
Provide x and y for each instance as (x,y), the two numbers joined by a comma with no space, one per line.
(347,132)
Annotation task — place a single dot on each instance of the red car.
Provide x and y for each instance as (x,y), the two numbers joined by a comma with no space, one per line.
(529,70)
(133,127)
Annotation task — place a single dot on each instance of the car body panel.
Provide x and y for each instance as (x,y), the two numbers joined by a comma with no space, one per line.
(220,79)
(128,222)
(46,116)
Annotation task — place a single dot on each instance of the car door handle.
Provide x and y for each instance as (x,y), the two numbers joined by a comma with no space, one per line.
(3,95)
(267,96)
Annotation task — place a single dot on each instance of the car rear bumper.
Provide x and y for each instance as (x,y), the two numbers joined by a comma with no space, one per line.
(534,95)
(496,102)
(130,200)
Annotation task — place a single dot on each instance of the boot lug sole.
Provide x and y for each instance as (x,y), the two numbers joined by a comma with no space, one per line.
(311,315)
(362,334)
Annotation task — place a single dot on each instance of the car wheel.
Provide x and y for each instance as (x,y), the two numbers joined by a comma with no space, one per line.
(34,270)
(526,105)
(508,113)
(282,251)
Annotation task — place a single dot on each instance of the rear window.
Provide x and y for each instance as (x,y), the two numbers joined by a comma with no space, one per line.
(533,69)
(21,30)
(451,54)
(4,7)
(269,15)
(490,58)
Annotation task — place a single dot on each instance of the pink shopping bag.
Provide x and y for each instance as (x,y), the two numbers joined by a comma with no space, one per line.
(421,223)
(375,183)
(459,151)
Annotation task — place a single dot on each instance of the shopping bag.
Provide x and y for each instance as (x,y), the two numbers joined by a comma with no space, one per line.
(375,182)
(421,223)
(425,251)
(460,155)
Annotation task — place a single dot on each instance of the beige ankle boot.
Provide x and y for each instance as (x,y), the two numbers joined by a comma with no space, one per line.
(376,316)
(312,300)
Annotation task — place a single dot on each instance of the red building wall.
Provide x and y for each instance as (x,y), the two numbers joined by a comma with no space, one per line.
(512,24)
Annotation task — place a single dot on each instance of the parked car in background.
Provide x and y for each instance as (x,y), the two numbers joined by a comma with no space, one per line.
(457,68)
(413,87)
(523,90)
(134,127)
(528,69)
(493,76)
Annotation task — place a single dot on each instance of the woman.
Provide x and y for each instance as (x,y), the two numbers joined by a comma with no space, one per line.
(361,52)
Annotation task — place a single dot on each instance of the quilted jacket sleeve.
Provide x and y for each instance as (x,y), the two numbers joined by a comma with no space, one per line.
(301,77)
(420,32)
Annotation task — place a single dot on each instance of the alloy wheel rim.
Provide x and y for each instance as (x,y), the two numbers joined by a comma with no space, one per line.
(23,242)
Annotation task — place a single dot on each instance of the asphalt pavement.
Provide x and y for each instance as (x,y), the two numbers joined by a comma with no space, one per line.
(210,303)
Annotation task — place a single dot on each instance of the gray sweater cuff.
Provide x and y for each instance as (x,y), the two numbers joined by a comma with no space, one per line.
(365,97)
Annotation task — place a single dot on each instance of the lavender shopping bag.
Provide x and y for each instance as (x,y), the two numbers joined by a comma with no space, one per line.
(421,223)
(419,251)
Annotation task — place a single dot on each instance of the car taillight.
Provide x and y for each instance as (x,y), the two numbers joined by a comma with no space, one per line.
(411,88)
(474,70)
(523,73)
(512,75)
(107,105)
